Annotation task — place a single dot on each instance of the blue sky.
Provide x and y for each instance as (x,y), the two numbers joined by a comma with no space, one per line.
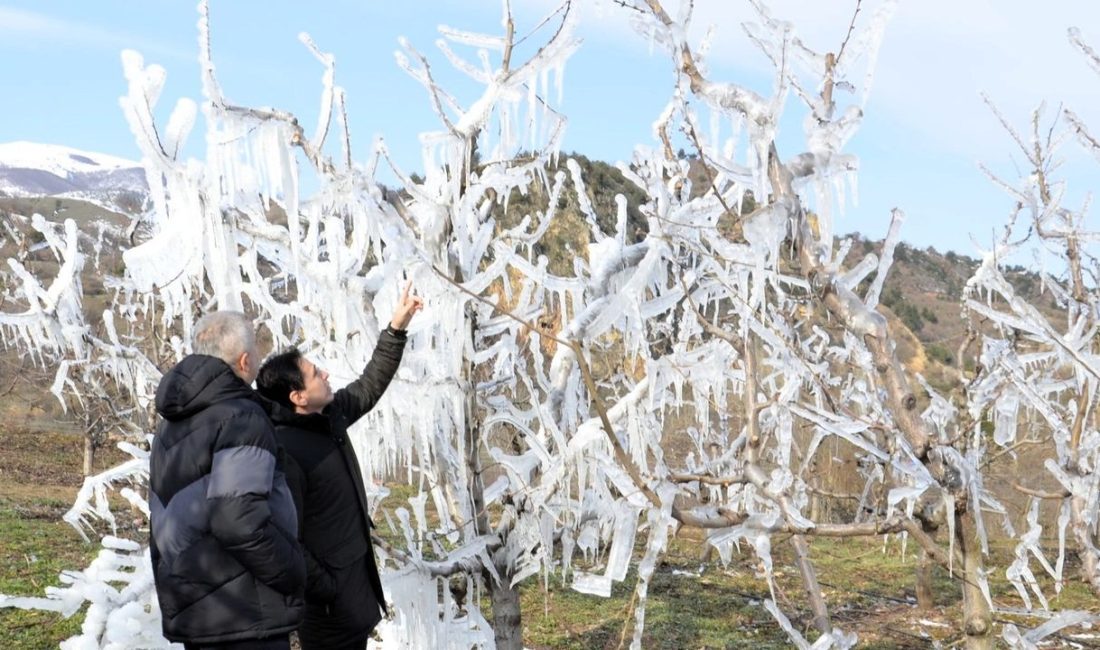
(925,131)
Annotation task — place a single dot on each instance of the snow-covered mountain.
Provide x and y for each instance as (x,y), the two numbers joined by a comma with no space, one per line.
(33,169)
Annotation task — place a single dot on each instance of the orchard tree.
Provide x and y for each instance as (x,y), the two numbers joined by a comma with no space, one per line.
(812,355)
(533,408)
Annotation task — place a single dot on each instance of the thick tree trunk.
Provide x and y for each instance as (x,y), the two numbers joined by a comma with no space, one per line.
(977,617)
(507,620)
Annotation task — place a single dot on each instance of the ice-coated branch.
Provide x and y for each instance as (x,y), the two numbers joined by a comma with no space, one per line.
(212,90)
(724,481)
(424,76)
(1041,494)
(1078,41)
(468,560)
(812,234)
(848,36)
(1083,135)
(887,259)
(625,462)
(92,502)
(328,91)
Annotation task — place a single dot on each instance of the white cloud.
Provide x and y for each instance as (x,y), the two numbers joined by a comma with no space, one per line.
(31,28)
(938,55)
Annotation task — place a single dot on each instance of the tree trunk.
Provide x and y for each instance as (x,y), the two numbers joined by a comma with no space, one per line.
(977,617)
(1079,522)
(925,595)
(1082,533)
(507,621)
(89,454)
(815,507)
(507,627)
(809,581)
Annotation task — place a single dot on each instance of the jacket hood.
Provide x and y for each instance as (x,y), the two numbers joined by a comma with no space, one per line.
(196,383)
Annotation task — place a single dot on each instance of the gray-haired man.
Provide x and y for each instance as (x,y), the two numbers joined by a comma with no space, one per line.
(228,568)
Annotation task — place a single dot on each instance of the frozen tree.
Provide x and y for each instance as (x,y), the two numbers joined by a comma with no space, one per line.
(533,407)
(316,282)
(811,355)
(93,372)
(1039,363)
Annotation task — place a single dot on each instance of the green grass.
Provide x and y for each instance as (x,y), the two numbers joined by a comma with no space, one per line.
(39,477)
(721,608)
(37,546)
(693,602)
(716,610)
(869,590)
(869,587)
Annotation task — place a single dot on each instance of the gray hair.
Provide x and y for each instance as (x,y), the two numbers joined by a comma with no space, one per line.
(225,335)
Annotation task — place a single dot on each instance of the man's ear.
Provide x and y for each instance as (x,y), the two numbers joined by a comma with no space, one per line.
(298,398)
(242,363)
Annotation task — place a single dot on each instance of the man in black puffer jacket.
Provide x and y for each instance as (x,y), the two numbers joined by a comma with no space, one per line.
(228,568)
(344,599)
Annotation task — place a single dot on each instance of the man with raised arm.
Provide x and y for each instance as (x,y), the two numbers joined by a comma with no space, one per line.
(227,564)
(344,599)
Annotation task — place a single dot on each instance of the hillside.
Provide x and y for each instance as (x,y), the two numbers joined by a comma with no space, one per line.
(921,296)
(31,170)
(24,404)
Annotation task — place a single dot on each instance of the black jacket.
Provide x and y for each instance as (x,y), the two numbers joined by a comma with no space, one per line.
(226,560)
(344,591)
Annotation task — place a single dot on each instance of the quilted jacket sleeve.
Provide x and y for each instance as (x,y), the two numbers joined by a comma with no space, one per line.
(252,513)
(360,396)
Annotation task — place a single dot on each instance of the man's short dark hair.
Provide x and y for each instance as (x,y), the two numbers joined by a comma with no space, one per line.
(280,376)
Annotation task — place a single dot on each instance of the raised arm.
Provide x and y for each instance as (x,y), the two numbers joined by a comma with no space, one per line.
(360,396)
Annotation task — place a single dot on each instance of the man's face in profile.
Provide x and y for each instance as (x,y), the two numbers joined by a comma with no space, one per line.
(316,393)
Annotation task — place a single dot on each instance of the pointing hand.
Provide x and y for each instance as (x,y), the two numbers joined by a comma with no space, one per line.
(407,305)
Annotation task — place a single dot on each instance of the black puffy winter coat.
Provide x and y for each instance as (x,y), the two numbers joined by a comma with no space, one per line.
(226,560)
(344,592)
